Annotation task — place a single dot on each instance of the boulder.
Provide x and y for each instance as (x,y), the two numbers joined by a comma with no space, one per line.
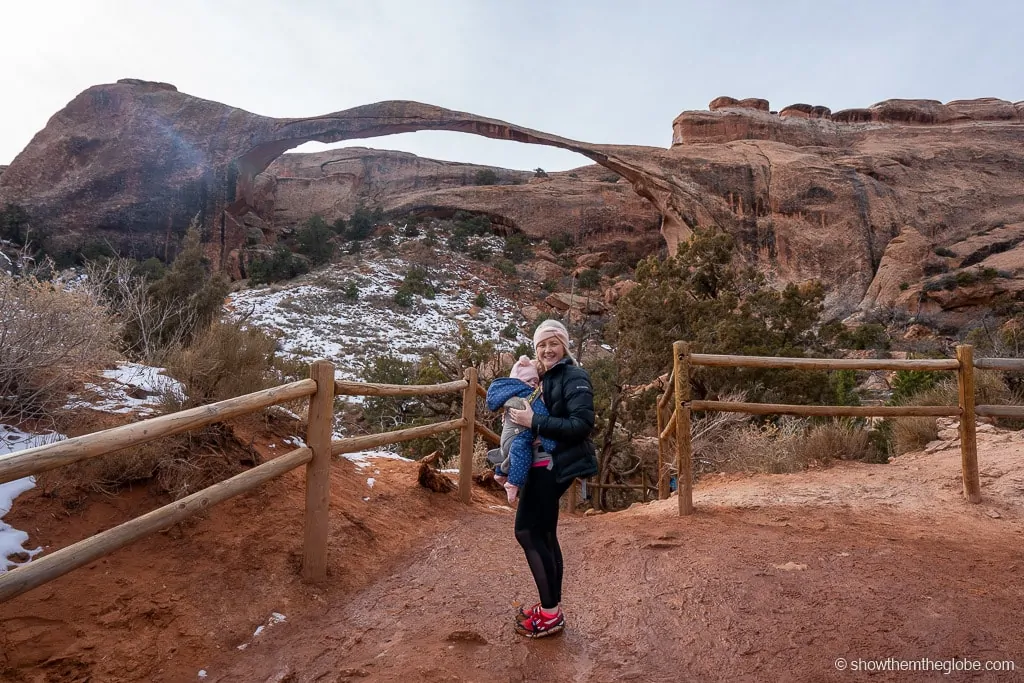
(618,290)
(562,301)
(902,262)
(593,259)
(531,313)
(543,271)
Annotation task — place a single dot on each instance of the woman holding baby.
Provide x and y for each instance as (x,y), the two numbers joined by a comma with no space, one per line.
(569,401)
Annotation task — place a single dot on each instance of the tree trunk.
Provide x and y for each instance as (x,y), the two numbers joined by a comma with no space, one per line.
(603,470)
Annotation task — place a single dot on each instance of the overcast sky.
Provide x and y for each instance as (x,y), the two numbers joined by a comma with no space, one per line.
(594,70)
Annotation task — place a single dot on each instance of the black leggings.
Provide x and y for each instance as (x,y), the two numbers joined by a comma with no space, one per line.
(536,530)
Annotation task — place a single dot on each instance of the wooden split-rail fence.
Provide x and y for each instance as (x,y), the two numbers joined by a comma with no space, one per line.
(674,425)
(316,455)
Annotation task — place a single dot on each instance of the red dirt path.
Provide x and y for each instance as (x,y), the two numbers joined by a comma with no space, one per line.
(422,588)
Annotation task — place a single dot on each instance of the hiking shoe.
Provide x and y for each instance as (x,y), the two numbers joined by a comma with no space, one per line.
(540,626)
(527,612)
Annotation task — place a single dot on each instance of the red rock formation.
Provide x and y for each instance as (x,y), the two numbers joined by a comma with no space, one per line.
(805,197)
(806,111)
(581,202)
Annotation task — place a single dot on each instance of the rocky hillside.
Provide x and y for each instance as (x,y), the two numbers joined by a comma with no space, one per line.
(808,193)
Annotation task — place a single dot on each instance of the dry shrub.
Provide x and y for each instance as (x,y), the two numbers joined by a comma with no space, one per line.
(178,465)
(787,446)
(914,433)
(48,337)
(837,439)
(225,361)
(756,448)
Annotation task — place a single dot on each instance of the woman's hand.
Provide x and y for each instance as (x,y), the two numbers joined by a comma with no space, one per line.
(524,417)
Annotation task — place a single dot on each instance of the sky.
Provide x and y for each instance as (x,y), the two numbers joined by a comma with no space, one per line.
(593,70)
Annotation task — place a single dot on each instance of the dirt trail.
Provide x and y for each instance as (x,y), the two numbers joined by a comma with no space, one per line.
(774,578)
(684,599)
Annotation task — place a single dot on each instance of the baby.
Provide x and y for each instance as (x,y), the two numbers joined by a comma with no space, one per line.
(522,386)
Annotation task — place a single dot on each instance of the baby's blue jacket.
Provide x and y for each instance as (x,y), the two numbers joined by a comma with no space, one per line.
(521,452)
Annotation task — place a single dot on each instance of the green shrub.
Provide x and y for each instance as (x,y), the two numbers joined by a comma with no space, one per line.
(904,286)
(350,290)
(472,226)
(907,383)
(458,242)
(313,240)
(944,251)
(506,267)
(539,173)
(966,278)
(510,331)
(844,388)
(480,300)
(485,176)
(403,297)
(589,278)
(339,226)
(549,285)
(282,264)
(362,222)
(410,230)
(517,248)
(417,280)
(560,242)
(480,251)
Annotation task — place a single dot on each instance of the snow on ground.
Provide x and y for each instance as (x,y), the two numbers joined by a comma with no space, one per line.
(132,388)
(362,458)
(12,541)
(314,319)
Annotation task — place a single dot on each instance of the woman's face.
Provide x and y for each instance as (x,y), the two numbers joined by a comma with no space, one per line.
(550,351)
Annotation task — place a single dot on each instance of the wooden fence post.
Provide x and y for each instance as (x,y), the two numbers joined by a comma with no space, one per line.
(662,479)
(466,443)
(968,435)
(684,449)
(318,472)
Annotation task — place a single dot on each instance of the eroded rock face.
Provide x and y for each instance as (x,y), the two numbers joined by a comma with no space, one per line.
(581,202)
(805,197)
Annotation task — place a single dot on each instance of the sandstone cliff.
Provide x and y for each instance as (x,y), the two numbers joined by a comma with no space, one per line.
(586,202)
(809,194)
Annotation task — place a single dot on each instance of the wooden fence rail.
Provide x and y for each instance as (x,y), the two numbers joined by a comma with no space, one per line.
(53,455)
(320,388)
(677,423)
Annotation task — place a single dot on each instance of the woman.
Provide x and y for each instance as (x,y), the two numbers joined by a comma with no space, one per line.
(569,398)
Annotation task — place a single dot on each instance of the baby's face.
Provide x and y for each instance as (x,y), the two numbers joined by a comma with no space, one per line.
(533,382)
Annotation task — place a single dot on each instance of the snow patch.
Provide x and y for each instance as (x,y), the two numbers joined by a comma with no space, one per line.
(362,458)
(132,388)
(12,541)
(370,481)
(313,318)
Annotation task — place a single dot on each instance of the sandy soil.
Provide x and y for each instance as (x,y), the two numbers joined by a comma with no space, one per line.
(774,578)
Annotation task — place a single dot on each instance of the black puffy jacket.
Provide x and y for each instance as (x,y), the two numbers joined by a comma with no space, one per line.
(569,398)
